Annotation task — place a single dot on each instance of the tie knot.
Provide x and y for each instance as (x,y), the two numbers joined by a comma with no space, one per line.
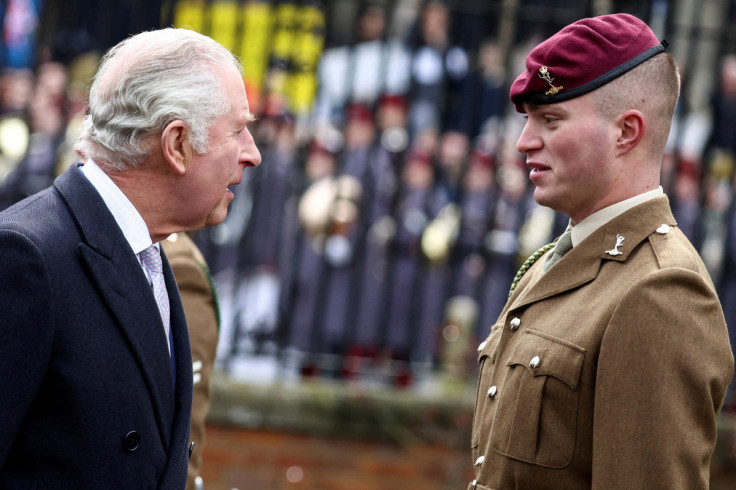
(562,246)
(564,243)
(151,258)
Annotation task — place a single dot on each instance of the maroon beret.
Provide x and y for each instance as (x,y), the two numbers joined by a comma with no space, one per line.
(582,57)
(358,113)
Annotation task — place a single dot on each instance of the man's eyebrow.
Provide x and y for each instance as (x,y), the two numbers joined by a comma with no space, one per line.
(551,108)
(534,107)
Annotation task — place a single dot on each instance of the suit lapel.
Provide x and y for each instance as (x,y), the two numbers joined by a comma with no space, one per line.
(183,355)
(582,264)
(180,333)
(116,272)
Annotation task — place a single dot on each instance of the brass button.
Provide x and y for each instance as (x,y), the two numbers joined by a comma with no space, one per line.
(482,344)
(492,392)
(480,460)
(534,363)
(515,323)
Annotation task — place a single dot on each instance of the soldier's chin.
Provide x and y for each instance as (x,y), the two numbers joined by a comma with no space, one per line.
(544,198)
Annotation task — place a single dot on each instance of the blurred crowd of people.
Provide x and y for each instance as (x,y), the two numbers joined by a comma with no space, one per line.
(380,236)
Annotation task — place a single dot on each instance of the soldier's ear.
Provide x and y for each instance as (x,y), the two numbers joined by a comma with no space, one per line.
(175,145)
(631,126)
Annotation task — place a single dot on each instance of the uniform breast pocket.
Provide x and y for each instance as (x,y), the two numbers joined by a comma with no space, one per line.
(537,414)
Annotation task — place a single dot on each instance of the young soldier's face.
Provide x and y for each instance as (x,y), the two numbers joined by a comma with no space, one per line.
(569,153)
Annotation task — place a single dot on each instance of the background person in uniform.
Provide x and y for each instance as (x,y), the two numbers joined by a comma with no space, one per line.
(608,369)
(98,395)
(199,299)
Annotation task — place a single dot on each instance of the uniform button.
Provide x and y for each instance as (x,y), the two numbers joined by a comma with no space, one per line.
(474,483)
(131,441)
(480,460)
(492,391)
(482,344)
(534,363)
(515,323)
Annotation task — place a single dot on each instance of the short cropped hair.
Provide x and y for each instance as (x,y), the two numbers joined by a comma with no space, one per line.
(146,82)
(652,88)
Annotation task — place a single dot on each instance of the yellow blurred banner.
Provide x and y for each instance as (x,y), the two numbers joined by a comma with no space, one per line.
(223,23)
(254,52)
(190,13)
(279,45)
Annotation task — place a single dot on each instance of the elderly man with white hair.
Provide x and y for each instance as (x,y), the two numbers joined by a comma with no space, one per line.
(93,341)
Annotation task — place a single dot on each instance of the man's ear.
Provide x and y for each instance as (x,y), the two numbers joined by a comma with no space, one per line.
(631,125)
(175,146)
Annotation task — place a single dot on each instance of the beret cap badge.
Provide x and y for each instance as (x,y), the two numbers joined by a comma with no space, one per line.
(547,77)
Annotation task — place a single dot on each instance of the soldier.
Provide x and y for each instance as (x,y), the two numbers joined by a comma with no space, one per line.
(608,366)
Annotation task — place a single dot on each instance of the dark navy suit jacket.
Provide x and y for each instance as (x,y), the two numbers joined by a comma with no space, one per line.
(86,398)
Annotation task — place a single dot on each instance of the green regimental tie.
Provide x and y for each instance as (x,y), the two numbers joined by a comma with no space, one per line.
(527,264)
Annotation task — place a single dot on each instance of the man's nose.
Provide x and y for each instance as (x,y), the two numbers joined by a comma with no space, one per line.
(250,156)
(528,139)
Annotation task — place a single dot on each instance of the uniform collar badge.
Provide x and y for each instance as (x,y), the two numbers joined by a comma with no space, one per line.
(545,75)
(619,241)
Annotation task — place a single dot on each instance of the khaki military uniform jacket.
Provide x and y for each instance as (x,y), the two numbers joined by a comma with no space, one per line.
(608,371)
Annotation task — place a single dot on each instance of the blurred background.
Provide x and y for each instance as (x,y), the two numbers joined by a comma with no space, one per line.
(362,263)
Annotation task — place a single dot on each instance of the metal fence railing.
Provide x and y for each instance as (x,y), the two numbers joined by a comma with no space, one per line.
(378,239)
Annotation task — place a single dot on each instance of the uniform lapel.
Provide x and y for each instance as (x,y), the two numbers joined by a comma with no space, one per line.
(579,266)
(582,264)
(115,270)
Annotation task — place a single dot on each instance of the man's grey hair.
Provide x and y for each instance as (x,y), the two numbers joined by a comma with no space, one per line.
(148,81)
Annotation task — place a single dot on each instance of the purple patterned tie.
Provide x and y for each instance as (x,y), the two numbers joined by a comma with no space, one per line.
(151,258)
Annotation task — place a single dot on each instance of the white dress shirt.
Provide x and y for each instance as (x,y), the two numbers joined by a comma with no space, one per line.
(126,215)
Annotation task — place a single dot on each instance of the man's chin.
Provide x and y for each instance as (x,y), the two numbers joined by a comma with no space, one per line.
(211,221)
(541,197)
(216,217)
(545,199)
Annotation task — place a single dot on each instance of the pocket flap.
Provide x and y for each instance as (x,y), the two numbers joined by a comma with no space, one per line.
(544,355)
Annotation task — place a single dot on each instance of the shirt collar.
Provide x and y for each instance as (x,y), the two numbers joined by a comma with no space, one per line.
(126,215)
(585,228)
